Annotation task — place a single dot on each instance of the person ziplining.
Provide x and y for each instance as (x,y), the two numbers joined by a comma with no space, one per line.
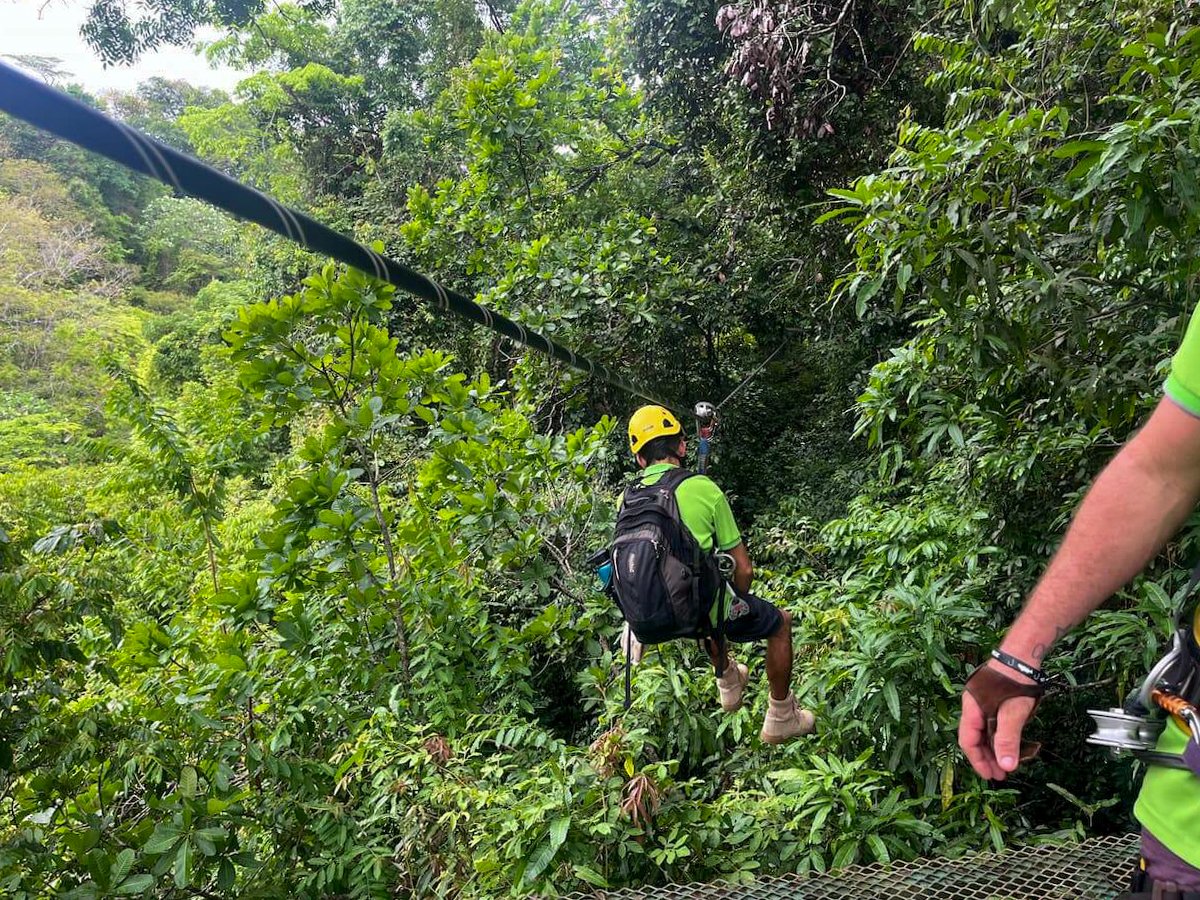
(674,531)
(687,507)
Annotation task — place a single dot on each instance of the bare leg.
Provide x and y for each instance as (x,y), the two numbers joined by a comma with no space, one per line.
(711,646)
(779,658)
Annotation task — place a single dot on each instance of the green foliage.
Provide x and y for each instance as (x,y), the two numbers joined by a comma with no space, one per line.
(553,214)
(304,613)
(173,459)
(53,342)
(118,36)
(228,136)
(108,194)
(185,243)
(1033,245)
(183,338)
(1039,248)
(157,104)
(372,644)
(33,433)
(47,241)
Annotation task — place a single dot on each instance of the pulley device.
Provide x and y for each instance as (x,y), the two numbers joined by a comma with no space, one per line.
(706,413)
(706,427)
(1171,688)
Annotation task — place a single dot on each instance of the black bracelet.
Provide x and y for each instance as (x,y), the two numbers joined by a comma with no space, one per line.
(1039,677)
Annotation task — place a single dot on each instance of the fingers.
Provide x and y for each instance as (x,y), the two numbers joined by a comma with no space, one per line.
(973,739)
(993,759)
(1010,721)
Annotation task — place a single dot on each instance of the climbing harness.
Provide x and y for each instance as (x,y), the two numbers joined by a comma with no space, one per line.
(1172,687)
(54,111)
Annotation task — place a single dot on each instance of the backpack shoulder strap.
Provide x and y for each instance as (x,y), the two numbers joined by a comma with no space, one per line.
(674,477)
(670,480)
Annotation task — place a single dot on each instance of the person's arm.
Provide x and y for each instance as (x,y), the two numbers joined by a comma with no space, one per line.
(727,537)
(743,571)
(1136,503)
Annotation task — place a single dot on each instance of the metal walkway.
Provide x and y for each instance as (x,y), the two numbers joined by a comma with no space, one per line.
(1096,869)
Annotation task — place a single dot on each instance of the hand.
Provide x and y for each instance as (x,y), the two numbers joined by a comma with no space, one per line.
(995,708)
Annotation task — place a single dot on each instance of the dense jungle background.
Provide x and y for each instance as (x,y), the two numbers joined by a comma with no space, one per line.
(292,591)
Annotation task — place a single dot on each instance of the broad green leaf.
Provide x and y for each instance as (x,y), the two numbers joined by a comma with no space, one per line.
(1074,148)
(947,785)
(121,866)
(188,780)
(878,848)
(558,831)
(591,876)
(845,854)
(162,839)
(226,875)
(135,884)
(183,865)
(893,700)
(538,862)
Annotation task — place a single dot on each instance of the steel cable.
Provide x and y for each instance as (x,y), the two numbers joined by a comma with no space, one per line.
(52,110)
(745,381)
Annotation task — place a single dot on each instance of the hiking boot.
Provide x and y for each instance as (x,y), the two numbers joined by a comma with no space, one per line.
(731,684)
(785,720)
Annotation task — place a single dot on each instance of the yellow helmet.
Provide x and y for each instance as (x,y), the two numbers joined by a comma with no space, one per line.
(651,422)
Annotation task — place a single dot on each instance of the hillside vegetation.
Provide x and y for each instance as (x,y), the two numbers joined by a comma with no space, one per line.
(293,600)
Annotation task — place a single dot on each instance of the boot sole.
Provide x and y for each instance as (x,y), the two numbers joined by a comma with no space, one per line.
(775,740)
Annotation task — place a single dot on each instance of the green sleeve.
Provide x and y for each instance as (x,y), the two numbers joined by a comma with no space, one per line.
(724,527)
(705,511)
(1183,384)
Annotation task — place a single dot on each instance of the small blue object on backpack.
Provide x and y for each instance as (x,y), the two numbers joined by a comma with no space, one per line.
(604,573)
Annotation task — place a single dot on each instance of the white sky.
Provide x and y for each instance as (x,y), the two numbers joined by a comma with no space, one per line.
(51,28)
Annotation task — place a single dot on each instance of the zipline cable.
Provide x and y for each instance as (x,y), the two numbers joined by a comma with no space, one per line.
(749,378)
(52,110)
(707,419)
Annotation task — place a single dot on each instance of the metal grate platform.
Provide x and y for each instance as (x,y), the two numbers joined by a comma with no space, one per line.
(1096,869)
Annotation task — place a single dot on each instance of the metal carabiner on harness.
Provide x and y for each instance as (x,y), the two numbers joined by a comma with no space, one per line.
(1169,687)
(1138,723)
(1135,728)
(1186,714)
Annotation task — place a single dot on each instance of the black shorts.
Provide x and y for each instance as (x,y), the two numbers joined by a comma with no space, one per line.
(750,618)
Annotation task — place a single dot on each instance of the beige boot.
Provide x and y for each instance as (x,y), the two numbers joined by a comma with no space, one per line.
(731,684)
(785,720)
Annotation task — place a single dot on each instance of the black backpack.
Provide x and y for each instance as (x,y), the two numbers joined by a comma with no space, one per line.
(664,583)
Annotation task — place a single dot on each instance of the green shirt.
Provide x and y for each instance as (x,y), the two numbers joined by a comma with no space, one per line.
(1183,384)
(703,509)
(1169,802)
